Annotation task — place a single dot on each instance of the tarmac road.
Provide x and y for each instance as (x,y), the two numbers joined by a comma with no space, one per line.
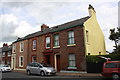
(24,76)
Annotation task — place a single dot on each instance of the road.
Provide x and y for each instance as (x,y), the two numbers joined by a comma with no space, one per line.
(24,76)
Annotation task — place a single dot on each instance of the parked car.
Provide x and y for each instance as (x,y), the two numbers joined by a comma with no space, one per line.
(5,68)
(112,69)
(40,68)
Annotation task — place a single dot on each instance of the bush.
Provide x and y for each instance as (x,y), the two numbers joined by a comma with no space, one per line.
(95,59)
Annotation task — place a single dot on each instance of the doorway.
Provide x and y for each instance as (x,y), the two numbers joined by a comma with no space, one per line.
(58,63)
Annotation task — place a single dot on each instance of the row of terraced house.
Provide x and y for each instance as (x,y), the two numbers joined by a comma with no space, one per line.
(63,46)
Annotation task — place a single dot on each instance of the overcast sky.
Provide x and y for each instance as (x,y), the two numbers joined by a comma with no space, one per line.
(17,19)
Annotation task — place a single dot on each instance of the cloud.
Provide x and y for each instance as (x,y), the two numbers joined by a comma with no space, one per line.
(24,28)
(11,28)
(8,24)
(25,17)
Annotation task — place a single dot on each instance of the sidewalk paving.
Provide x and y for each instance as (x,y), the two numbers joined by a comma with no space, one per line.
(71,74)
(79,74)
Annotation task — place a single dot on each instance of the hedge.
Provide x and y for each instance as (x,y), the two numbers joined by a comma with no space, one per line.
(95,59)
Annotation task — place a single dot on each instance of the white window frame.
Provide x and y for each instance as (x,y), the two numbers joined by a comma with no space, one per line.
(8,62)
(56,40)
(14,48)
(3,54)
(21,61)
(9,53)
(71,38)
(22,46)
(47,42)
(33,59)
(34,46)
(72,61)
(2,62)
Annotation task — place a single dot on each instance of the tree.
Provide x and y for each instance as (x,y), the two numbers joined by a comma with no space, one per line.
(115,36)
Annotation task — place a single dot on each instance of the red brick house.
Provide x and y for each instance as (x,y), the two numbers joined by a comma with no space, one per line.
(62,46)
(6,54)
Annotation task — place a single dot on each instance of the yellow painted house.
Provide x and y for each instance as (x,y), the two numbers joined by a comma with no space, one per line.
(94,37)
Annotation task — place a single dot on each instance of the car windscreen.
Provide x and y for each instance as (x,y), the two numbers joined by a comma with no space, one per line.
(45,65)
(4,65)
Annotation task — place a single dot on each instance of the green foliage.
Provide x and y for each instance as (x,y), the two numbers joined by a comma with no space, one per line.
(95,59)
(115,36)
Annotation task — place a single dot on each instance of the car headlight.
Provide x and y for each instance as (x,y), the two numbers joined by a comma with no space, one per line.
(48,70)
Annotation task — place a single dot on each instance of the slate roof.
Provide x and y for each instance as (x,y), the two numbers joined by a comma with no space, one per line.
(78,22)
(6,48)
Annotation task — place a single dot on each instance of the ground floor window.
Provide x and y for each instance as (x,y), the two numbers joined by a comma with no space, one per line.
(21,61)
(72,61)
(2,62)
(8,62)
(34,59)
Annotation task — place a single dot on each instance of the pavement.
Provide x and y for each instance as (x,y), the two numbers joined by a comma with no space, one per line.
(72,74)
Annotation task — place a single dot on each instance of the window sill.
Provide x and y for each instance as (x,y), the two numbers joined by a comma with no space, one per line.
(34,49)
(20,66)
(56,47)
(71,45)
(72,67)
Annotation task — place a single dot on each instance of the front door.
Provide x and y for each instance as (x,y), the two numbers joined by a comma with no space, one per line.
(58,62)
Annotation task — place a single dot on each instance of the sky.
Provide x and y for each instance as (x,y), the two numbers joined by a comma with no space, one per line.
(23,17)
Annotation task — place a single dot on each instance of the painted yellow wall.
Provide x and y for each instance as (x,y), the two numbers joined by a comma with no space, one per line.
(96,42)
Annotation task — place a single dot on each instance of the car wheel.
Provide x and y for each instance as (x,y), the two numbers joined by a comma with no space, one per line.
(116,77)
(28,72)
(42,73)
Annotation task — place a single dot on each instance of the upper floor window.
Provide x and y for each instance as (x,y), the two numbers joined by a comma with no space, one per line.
(87,36)
(71,37)
(47,42)
(21,46)
(14,48)
(56,40)
(34,45)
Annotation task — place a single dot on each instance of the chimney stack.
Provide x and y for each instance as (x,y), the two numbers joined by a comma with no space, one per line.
(91,10)
(43,27)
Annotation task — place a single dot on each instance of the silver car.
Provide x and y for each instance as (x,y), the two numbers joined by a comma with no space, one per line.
(40,68)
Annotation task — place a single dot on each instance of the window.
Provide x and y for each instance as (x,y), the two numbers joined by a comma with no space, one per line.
(2,62)
(21,61)
(9,54)
(111,65)
(21,46)
(34,44)
(47,42)
(8,62)
(14,48)
(71,37)
(87,36)
(3,54)
(56,40)
(34,59)
(72,60)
